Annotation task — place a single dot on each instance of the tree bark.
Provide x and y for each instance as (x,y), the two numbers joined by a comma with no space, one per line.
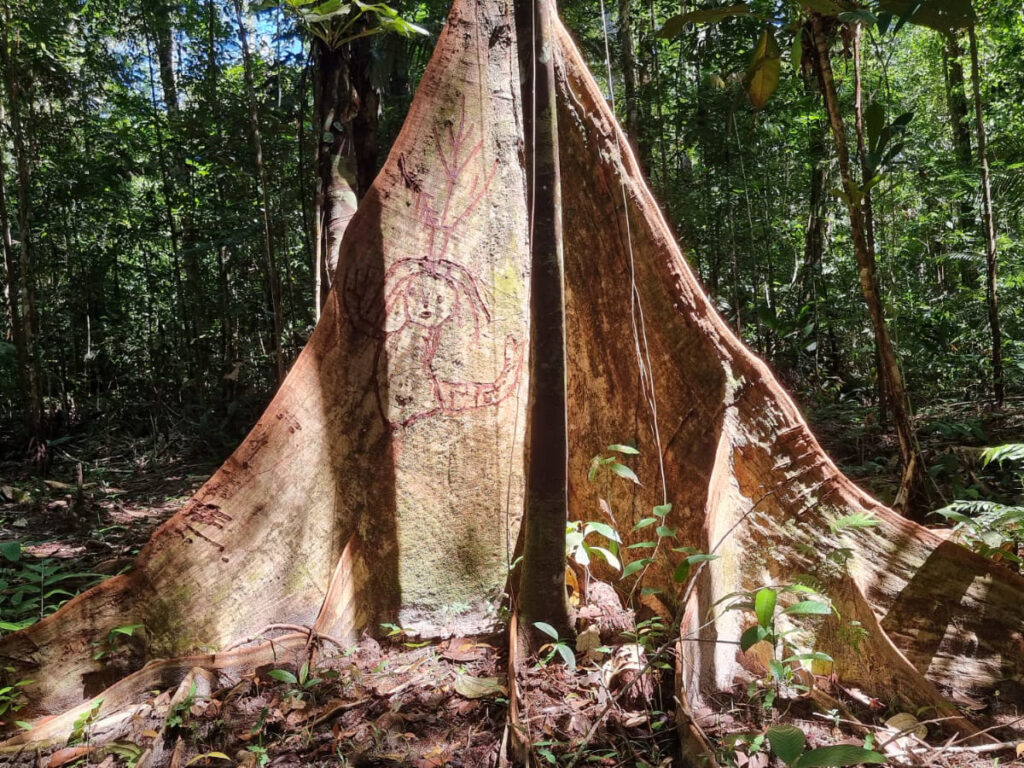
(273,279)
(16,82)
(888,369)
(542,596)
(988,220)
(386,479)
(956,102)
(346,107)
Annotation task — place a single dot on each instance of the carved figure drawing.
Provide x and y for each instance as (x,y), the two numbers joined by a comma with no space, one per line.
(422,300)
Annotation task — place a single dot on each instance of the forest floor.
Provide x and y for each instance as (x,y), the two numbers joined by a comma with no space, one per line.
(400,701)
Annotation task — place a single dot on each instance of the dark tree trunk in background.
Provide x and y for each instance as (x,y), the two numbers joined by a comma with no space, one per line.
(346,108)
(29,374)
(161,25)
(988,220)
(956,103)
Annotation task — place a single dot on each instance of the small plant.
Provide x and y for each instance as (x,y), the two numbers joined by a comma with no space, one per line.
(115,641)
(396,634)
(657,519)
(179,712)
(787,743)
(302,684)
(781,666)
(81,730)
(993,530)
(558,645)
(31,590)
(12,698)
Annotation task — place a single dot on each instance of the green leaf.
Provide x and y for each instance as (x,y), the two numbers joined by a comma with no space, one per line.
(645,522)
(764,606)
(813,656)
(567,655)
(838,755)
(796,53)
(675,24)
(547,629)
(283,675)
(608,556)
(636,565)
(665,532)
(623,471)
(874,122)
(763,72)
(603,528)
(809,608)
(11,550)
(682,572)
(752,636)
(628,450)
(787,742)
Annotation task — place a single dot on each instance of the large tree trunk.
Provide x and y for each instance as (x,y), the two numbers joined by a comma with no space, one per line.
(386,479)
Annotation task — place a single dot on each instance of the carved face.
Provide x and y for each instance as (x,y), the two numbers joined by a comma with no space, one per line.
(429,301)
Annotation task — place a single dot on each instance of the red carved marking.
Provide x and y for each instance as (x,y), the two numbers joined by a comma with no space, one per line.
(418,298)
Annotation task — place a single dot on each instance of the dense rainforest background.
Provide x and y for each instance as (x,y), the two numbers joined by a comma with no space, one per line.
(174,178)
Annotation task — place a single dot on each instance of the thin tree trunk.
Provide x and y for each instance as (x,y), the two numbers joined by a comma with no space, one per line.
(988,219)
(16,81)
(889,370)
(273,284)
(542,595)
(956,102)
(867,209)
(345,107)
(626,61)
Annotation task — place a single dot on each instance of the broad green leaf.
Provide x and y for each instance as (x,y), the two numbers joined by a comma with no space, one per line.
(809,608)
(608,556)
(645,522)
(763,72)
(547,629)
(636,565)
(796,53)
(283,675)
(874,122)
(628,450)
(764,606)
(603,528)
(752,636)
(838,755)
(11,550)
(787,742)
(662,510)
(813,656)
(623,471)
(941,15)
